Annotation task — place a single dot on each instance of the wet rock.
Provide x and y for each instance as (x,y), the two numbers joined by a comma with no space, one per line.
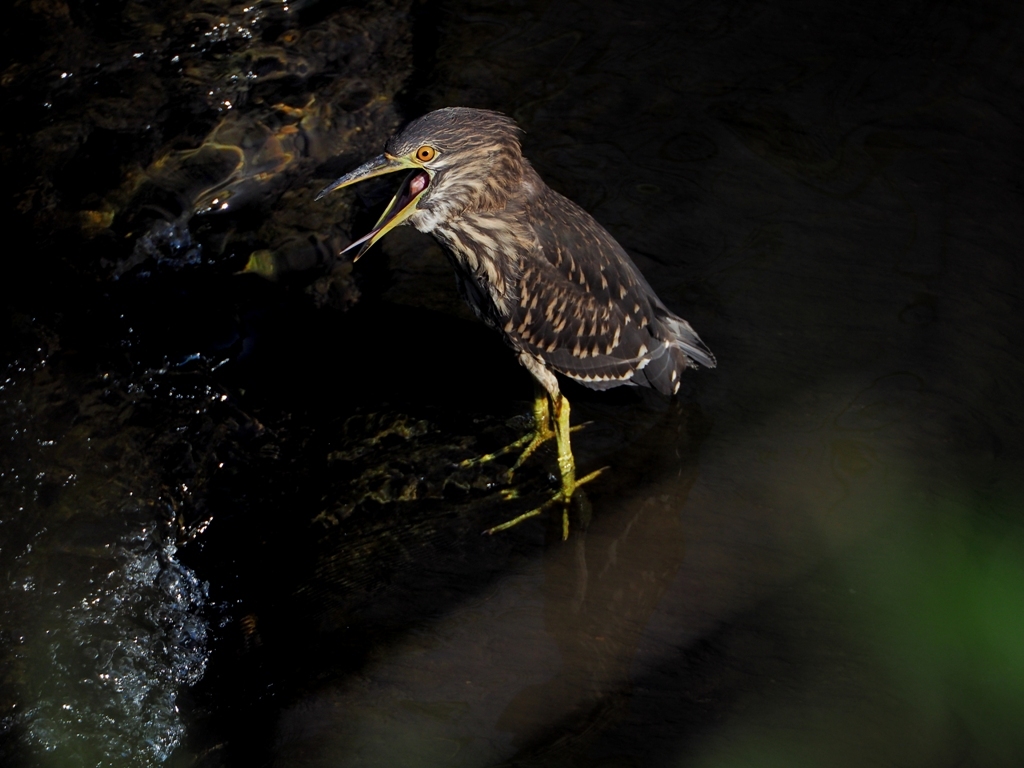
(190,136)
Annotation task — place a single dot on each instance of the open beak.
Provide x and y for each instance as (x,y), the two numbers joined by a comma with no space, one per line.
(402,205)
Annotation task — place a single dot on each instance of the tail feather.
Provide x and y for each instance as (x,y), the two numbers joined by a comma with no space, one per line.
(663,370)
(683,349)
(689,342)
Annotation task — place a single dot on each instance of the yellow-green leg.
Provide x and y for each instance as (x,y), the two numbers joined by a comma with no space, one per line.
(556,411)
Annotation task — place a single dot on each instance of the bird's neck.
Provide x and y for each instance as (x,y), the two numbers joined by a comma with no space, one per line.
(486,251)
(487,237)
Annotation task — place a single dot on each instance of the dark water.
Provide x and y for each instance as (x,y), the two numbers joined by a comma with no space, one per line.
(233,529)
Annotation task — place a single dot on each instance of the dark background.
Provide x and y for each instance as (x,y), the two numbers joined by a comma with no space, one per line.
(233,525)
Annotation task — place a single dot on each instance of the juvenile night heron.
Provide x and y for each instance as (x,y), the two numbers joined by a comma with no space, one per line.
(533,265)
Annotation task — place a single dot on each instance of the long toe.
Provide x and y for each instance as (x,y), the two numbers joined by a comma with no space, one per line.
(563,497)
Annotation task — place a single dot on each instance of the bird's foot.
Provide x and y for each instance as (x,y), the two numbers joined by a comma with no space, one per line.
(533,441)
(564,496)
(542,432)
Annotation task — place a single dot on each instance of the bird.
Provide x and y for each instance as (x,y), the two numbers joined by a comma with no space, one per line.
(533,265)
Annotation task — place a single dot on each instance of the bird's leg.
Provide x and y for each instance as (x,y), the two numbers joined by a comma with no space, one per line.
(545,421)
(566,468)
(566,461)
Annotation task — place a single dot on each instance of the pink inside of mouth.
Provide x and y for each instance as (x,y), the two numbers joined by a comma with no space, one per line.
(418,183)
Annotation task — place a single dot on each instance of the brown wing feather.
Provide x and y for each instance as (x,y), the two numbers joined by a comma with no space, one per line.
(584,308)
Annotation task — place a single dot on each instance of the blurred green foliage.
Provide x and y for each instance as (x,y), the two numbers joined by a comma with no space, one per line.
(926,666)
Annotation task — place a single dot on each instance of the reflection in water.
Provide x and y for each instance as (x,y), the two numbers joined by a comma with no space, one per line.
(600,594)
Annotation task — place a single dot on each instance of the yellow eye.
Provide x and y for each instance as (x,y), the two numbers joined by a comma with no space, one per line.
(425,154)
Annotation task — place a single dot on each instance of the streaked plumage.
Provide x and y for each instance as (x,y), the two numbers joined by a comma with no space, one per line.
(531,263)
(538,267)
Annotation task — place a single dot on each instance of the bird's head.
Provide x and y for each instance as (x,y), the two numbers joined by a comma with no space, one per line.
(459,159)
